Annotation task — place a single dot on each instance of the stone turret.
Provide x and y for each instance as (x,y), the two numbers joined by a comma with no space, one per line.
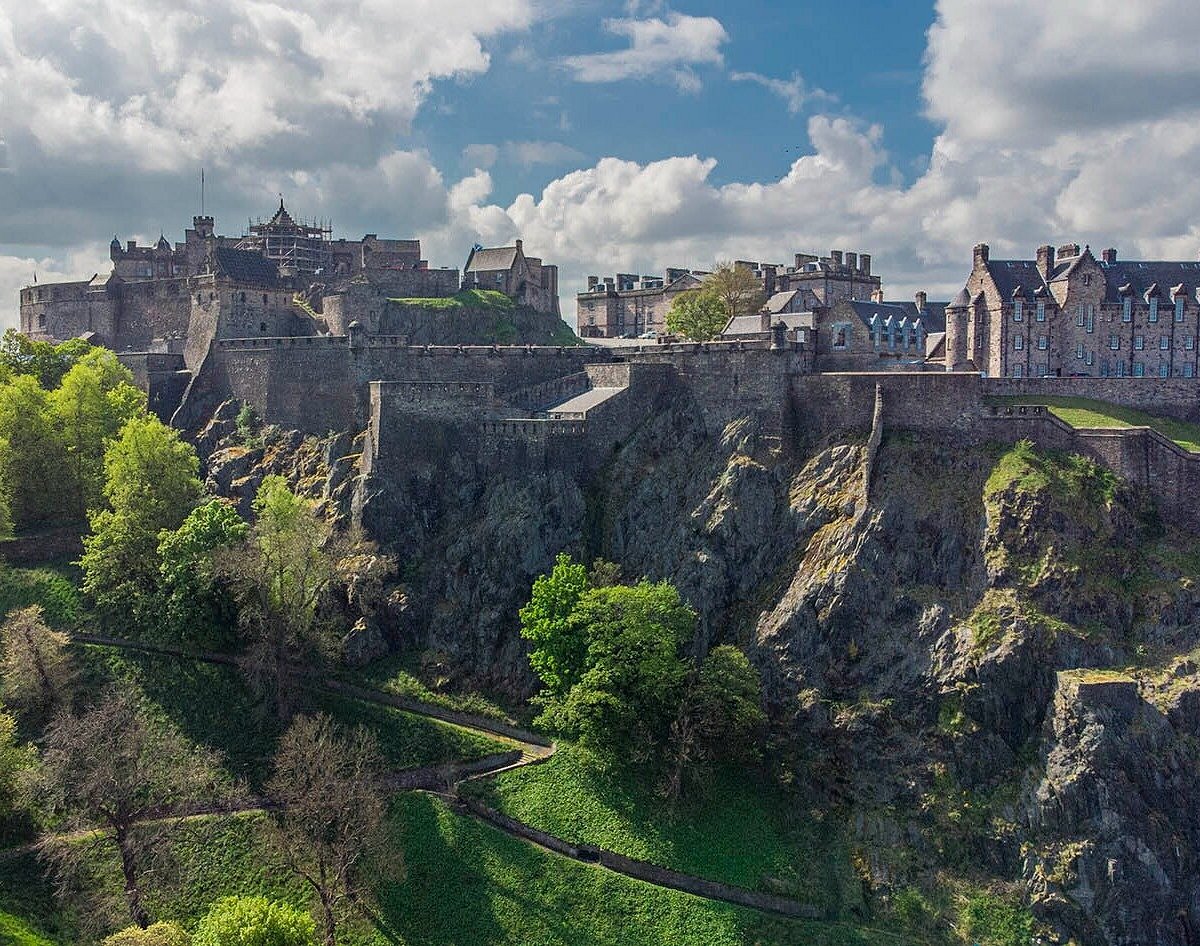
(958,315)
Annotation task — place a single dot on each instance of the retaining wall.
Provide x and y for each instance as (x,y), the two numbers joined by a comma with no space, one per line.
(1171,397)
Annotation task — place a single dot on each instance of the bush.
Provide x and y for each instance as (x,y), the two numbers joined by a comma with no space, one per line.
(911,908)
(254,921)
(158,934)
(989,921)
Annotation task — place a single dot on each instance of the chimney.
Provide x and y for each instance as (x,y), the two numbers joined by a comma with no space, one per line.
(519,246)
(877,296)
(852,261)
(921,298)
(1109,256)
(864,262)
(1045,260)
(835,257)
(592,281)
(982,253)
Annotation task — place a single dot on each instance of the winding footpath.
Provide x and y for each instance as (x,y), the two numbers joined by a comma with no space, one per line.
(446,781)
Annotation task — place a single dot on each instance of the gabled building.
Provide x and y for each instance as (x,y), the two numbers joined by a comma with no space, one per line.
(874,335)
(1066,313)
(526,279)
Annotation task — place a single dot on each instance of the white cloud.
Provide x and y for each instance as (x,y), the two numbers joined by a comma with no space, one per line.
(480,155)
(657,47)
(794,91)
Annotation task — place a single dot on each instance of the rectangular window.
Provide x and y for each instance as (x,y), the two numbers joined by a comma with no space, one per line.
(1017,371)
(1043,343)
(1091,318)
(1018,313)
(1153,309)
(1139,342)
(1081,315)
(1164,370)
(1179,308)
(1189,342)
(1090,359)
(1041,371)
(1120,369)
(1041,312)
(1079,351)
(1164,342)
(1139,370)
(1189,370)
(1114,342)
(1127,309)
(1018,342)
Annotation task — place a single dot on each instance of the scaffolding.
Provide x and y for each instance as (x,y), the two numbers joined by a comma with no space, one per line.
(300,246)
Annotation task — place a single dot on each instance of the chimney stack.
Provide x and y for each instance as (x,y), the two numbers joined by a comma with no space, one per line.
(852,261)
(864,262)
(1045,260)
(592,281)
(1109,256)
(518,244)
(921,298)
(877,296)
(982,253)
(835,257)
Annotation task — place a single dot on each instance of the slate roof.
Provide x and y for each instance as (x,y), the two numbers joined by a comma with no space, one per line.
(248,266)
(933,318)
(1141,275)
(1009,274)
(744,325)
(780,301)
(490,260)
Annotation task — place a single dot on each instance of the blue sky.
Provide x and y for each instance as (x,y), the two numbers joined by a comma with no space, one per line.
(627,135)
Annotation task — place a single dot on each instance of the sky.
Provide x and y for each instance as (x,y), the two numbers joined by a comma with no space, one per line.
(608,135)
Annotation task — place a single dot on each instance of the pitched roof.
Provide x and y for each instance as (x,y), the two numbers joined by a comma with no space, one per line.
(780,301)
(1140,275)
(489,260)
(933,317)
(744,325)
(246,266)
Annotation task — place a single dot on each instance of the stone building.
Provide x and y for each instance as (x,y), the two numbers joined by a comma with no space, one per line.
(631,305)
(1066,313)
(874,335)
(526,279)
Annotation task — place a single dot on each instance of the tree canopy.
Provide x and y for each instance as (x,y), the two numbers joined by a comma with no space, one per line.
(253,921)
(739,290)
(698,314)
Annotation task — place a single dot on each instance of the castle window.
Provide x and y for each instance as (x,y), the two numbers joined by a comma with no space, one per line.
(1164,370)
(1018,342)
(1087,279)
(262,327)
(1189,370)
(1091,318)
(1120,369)
(1127,309)
(1114,342)
(1139,342)
(1189,342)
(1041,311)
(1017,371)
(1041,370)
(1153,309)
(1079,351)
(1090,359)
(1043,343)
(839,337)
(243,297)
(264,298)
(41,320)
(1081,315)
(1164,342)
(1179,308)
(1139,370)
(1018,313)
(212,296)
(199,298)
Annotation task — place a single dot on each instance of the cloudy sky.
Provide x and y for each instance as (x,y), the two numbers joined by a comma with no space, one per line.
(609,135)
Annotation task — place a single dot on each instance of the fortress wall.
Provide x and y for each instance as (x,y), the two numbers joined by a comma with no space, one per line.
(539,397)
(415,283)
(509,368)
(1172,397)
(67,310)
(938,401)
(147,311)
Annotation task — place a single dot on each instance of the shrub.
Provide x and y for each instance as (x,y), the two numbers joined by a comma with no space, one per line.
(158,934)
(987,920)
(254,921)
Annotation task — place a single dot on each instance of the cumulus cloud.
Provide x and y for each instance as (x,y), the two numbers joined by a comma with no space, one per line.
(668,47)
(794,91)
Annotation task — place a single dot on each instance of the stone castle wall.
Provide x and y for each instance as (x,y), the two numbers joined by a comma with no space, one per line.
(1172,397)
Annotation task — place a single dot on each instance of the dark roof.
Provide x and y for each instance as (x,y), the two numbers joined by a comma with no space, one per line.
(246,266)
(489,260)
(962,300)
(1141,275)
(933,317)
(1011,274)
(282,218)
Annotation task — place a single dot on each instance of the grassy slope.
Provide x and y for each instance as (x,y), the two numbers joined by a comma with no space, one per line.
(478,298)
(1083,412)
(737,831)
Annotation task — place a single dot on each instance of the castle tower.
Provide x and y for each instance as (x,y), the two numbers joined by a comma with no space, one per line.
(957,322)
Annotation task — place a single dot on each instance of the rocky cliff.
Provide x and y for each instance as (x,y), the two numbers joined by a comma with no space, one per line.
(983,659)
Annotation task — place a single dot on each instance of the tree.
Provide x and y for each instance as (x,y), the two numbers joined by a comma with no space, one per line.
(197,605)
(329,823)
(35,479)
(559,646)
(35,668)
(92,403)
(719,712)
(281,575)
(740,291)
(253,921)
(150,486)
(44,362)
(698,314)
(157,934)
(113,774)
(15,760)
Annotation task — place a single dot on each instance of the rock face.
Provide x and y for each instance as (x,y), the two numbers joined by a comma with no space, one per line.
(979,656)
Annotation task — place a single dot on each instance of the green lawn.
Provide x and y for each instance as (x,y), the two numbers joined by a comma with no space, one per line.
(1083,412)
(739,828)
(477,298)
(53,587)
(400,674)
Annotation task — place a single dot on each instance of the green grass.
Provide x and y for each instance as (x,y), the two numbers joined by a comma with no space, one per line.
(15,931)
(475,298)
(1083,412)
(400,674)
(53,588)
(739,829)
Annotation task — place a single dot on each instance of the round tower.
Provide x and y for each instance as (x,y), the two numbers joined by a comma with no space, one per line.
(958,314)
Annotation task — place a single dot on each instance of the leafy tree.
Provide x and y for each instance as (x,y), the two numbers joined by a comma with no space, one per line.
(329,825)
(281,575)
(45,362)
(157,934)
(559,646)
(197,604)
(698,314)
(151,486)
(15,759)
(739,290)
(34,472)
(35,668)
(116,773)
(719,713)
(249,424)
(92,403)
(254,921)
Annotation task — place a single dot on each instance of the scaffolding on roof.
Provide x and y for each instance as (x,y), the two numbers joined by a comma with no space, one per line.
(301,246)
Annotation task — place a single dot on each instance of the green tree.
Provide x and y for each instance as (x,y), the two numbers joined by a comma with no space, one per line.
(329,820)
(92,403)
(624,699)
(698,314)
(559,646)
(35,482)
(150,486)
(254,921)
(35,666)
(157,934)
(197,604)
(15,759)
(740,291)
(45,362)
